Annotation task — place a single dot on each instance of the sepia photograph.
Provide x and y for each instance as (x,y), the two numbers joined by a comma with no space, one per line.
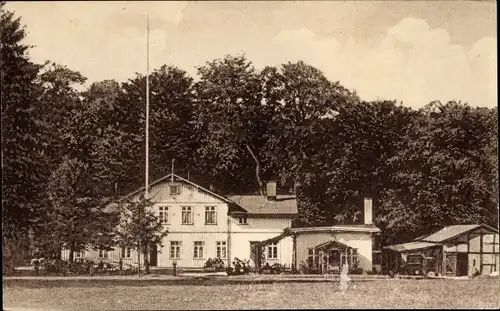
(249,155)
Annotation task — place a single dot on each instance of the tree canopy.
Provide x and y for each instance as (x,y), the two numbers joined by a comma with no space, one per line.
(66,151)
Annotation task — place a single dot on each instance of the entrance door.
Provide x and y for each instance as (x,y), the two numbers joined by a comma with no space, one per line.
(153,256)
(462,264)
(257,255)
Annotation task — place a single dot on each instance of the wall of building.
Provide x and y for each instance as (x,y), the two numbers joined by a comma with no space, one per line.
(112,256)
(359,240)
(238,245)
(187,245)
(486,255)
(260,229)
(189,196)
(241,242)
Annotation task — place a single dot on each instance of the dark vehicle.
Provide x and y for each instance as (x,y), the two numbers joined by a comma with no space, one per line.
(419,264)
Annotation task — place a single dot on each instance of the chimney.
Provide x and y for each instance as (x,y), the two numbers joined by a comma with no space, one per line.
(271,190)
(368,211)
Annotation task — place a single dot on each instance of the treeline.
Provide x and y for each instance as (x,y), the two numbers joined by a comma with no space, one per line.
(65,152)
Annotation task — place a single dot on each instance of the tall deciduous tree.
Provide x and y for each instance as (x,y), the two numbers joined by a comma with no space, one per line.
(59,101)
(440,177)
(298,97)
(22,143)
(22,174)
(170,127)
(139,227)
(75,218)
(227,114)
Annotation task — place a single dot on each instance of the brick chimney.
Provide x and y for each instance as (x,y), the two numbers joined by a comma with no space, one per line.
(368,212)
(271,190)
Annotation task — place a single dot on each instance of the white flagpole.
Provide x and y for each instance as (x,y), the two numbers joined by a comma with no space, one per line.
(147,137)
(147,109)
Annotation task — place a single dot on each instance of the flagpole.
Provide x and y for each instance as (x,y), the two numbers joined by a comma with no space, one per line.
(147,110)
(139,249)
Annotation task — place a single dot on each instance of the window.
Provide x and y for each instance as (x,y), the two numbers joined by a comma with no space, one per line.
(198,249)
(210,217)
(272,251)
(242,220)
(187,215)
(222,249)
(310,259)
(163,214)
(175,249)
(313,259)
(126,252)
(80,254)
(175,189)
(351,258)
(103,253)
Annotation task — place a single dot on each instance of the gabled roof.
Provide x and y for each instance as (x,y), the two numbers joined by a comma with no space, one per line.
(410,246)
(250,204)
(258,204)
(450,232)
(332,245)
(178,178)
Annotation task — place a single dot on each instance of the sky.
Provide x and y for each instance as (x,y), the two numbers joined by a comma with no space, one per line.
(414,52)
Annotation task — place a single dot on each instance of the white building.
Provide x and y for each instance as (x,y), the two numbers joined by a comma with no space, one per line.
(325,249)
(203,224)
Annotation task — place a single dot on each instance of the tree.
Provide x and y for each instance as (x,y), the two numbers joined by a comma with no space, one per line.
(58,103)
(93,135)
(21,173)
(440,177)
(228,117)
(298,97)
(171,133)
(139,228)
(22,143)
(75,218)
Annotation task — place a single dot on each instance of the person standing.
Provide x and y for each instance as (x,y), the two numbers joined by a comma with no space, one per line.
(344,278)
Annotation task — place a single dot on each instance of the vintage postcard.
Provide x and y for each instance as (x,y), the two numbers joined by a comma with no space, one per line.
(172,155)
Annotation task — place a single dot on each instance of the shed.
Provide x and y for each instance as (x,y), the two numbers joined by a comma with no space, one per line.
(395,255)
(463,249)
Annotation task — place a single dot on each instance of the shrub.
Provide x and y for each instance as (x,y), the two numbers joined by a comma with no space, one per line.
(356,270)
(215,264)
(240,267)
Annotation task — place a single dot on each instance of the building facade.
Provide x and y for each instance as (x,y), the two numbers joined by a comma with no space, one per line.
(203,225)
(458,250)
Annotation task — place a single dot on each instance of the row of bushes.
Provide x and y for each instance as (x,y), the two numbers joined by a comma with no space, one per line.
(51,266)
(305,269)
(241,267)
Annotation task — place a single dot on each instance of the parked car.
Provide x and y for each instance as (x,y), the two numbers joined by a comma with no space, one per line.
(419,264)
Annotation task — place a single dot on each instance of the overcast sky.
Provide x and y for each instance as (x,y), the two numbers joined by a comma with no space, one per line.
(415,52)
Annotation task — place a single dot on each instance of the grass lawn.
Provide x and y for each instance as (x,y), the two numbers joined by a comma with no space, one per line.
(476,293)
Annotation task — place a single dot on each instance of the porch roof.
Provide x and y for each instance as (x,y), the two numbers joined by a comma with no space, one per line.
(410,246)
(333,245)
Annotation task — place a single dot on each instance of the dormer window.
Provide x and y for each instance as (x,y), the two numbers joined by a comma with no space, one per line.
(175,189)
(242,220)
